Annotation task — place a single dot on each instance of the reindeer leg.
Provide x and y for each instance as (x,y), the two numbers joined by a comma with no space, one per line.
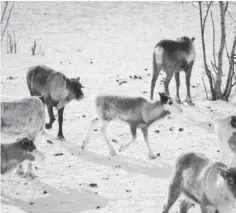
(30,172)
(90,129)
(174,192)
(145,135)
(20,171)
(51,117)
(133,129)
(156,72)
(185,206)
(104,131)
(188,76)
(60,122)
(177,98)
(169,76)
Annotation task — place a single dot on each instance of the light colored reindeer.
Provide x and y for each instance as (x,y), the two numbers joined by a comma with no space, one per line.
(210,184)
(137,112)
(225,128)
(23,118)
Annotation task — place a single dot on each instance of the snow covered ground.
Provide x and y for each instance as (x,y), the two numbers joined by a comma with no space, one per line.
(105,43)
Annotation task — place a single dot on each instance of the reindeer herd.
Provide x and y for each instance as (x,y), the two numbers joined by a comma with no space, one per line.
(211,185)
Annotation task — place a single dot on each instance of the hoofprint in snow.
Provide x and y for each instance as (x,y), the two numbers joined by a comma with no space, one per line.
(109,45)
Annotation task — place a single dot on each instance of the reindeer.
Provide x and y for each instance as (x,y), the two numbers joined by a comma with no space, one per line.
(14,154)
(225,129)
(212,185)
(24,118)
(57,89)
(172,57)
(137,112)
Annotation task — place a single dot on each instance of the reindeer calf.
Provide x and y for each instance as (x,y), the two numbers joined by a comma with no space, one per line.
(210,184)
(24,118)
(14,154)
(137,112)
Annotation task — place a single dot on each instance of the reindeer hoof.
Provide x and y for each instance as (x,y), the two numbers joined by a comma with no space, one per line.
(152,156)
(48,126)
(30,175)
(121,149)
(112,153)
(178,100)
(189,101)
(61,137)
(20,173)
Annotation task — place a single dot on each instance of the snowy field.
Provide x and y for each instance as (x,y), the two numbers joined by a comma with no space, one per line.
(105,43)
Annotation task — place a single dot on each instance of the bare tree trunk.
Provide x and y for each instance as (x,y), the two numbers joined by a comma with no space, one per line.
(221,51)
(231,72)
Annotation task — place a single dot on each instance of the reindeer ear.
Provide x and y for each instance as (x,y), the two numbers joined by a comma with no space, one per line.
(25,143)
(222,172)
(78,78)
(230,180)
(67,82)
(233,121)
(42,98)
(163,98)
(193,39)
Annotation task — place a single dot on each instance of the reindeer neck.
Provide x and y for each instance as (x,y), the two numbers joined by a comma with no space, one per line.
(155,111)
(15,152)
(226,196)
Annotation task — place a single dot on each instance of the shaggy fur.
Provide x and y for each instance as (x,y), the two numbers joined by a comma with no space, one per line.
(137,112)
(23,118)
(210,184)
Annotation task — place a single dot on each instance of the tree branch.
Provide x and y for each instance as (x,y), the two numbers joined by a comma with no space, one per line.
(231,72)
(4,11)
(207,11)
(214,40)
(221,50)
(8,18)
(226,6)
(231,16)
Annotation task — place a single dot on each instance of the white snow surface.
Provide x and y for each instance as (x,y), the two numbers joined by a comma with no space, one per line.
(103,42)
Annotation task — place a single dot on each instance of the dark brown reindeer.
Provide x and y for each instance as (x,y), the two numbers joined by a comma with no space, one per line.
(172,57)
(57,89)
(14,154)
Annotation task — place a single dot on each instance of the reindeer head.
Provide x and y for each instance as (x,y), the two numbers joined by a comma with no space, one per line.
(30,150)
(27,145)
(229,176)
(75,88)
(169,104)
